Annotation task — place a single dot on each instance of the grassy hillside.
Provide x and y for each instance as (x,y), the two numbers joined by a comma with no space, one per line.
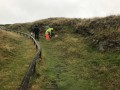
(85,56)
(69,63)
(14,59)
(101,32)
(75,23)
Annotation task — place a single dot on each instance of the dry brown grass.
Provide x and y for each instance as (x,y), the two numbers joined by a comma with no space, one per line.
(5,46)
(16,53)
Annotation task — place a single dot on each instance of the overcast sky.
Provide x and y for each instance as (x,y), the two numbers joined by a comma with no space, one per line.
(18,11)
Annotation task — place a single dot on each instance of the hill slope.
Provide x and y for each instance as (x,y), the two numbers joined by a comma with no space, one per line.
(14,59)
(70,64)
(85,56)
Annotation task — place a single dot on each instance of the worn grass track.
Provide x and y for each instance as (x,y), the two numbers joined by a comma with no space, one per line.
(16,53)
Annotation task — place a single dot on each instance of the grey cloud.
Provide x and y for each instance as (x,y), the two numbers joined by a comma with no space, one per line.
(30,10)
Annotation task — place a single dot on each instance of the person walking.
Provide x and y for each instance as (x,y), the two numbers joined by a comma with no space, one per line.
(36,32)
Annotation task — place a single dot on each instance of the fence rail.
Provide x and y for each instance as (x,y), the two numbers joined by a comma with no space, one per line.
(32,67)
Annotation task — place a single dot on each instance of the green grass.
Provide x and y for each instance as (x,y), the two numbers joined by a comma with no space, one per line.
(69,63)
(16,53)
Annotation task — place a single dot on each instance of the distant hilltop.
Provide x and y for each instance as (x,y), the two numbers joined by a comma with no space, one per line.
(2,27)
(75,23)
(102,33)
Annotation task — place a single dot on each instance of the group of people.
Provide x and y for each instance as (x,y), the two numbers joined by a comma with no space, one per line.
(48,32)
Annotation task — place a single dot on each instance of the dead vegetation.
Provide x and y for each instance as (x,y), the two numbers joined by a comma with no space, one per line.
(14,59)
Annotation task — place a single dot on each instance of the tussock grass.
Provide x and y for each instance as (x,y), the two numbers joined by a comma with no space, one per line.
(16,53)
